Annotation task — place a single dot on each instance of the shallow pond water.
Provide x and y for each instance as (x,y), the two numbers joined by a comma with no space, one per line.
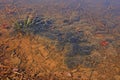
(59,39)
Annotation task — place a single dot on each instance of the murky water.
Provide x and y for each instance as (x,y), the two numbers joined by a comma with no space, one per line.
(63,35)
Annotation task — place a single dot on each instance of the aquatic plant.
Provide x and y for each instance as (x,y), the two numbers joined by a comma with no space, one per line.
(22,25)
(72,62)
(34,25)
(79,49)
(76,49)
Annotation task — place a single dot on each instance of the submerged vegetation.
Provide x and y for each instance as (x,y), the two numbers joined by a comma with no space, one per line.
(34,25)
(59,40)
(79,45)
